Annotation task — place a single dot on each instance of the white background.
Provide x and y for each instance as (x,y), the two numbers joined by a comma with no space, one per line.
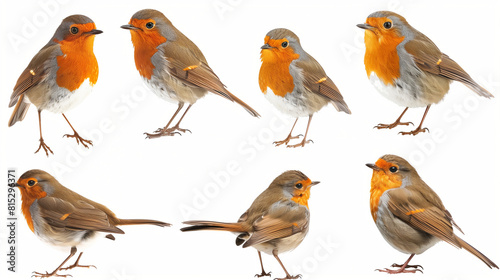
(172,178)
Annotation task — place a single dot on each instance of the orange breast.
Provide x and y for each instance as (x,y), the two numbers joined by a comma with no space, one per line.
(277,77)
(27,200)
(380,183)
(381,57)
(77,63)
(145,46)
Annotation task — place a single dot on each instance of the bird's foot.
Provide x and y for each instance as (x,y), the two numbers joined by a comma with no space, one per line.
(290,277)
(79,139)
(415,132)
(414,268)
(76,264)
(45,147)
(392,125)
(47,275)
(262,274)
(301,144)
(160,134)
(417,266)
(286,140)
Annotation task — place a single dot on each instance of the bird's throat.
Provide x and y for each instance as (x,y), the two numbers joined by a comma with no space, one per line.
(381,56)
(145,46)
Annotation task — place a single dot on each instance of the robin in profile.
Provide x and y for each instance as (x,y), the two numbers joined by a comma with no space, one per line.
(276,222)
(407,67)
(60,75)
(172,66)
(62,217)
(294,82)
(409,214)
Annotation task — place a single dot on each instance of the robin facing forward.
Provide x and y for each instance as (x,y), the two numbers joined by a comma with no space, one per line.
(409,214)
(172,66)
(407,67)
(294,82)
(62,217)
(276,222)
(59,76)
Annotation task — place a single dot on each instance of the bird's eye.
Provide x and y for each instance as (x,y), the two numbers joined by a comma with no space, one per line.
(387,25)
(284,44)
(74,30)
(298,186)
(150,25)
(31,183)
(393,169)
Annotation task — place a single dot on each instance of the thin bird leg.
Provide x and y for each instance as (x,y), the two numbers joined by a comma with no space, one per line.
(42,143)
(289,137)
(419,128)
(164,131)
(54,273)
(176,127)
(77,264)
(263,273)
(394,124)
(403,268)
(304,141)
(288,276)
(76,136)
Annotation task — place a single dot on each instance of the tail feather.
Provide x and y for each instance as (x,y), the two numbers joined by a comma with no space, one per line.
(233,98)
(123,222)
(476,253)
(209,225)
(19,111)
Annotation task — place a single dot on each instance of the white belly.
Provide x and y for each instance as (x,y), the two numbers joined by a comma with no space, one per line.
(61,99)
(296,104)
(282,245)
(399,95)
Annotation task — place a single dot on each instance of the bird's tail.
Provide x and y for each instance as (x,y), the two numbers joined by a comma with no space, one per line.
(123,222)
(209,225)
(233,98)
(19,111)
(476,253)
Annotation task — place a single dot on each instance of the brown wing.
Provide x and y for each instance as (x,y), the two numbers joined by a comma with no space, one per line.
(282,221)
(430,59)
(33,74)
(79,216)
(316,80)
(422,214)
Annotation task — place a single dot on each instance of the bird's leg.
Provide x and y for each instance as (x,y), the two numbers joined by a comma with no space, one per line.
(42,143)
(176,127)
(419,128)
(77,264)
(403,268)
(77,136)
(263,273)
(304,141)
(289,137)
(394,124)
(54,273)
(165,130)
(288,276)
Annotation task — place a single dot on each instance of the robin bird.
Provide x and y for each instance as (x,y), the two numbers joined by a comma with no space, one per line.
(64,218)
(172,66)
(276,222)
(407,67)
(294,82)
(59,76)
(409,214)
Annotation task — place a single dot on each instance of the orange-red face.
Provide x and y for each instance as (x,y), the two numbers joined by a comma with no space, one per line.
(302,191)
(145,32)
(275,51)
(30,189)
(79,31)
(381,30)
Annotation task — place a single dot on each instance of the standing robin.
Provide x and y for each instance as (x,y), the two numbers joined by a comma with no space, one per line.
(59,76)
(294,82)
(276,222)
(409,214)
(62,217)
(407,67)
(172,66)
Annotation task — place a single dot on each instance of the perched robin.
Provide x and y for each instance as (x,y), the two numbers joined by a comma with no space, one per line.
(294,82)
(59,76)
(276,222)
(409,214)
(172,66)
(62,217)
(407,67)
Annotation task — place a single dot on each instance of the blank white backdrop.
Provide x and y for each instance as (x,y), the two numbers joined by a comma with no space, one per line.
(216,172)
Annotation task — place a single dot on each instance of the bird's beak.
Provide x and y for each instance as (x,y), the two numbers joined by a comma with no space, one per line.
(365,26)
(314,183)
(129,27)
(373,166)
(17,185)
(265,47)
(93,32)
